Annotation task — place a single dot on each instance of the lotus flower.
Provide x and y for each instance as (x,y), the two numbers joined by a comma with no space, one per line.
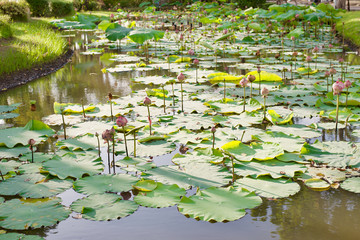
(147,101)
(347,84)
(121,121)
(251,79)
(181,77)
(225,31)
(191,52)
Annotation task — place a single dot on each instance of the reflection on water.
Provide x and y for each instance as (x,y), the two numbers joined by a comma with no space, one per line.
(333,214)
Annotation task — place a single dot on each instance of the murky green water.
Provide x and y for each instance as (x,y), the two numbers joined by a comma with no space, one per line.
(332,214)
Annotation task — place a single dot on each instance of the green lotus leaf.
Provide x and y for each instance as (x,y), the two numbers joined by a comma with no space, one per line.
(73,144)
(33,186)
(306,71)
(75,166)
(104,207)
(331,175)
(259,151)
(288,142)
(351,184)
(291,157)
(19,236)
(296,130)
(8,108)
(265,76)
(224,37)
(2,200)
(88,127)
(268,187)
(277,119)
(274,168)
(126,161)
(317,184)
(8,115)
(24,214)
(8,166)
(98,184)
(198,175)
(39,157)
(34,129)
(255,26)
(160,197)
(72,108)
(145,185)
(141,35)
(297,32)
(218,204)
(116,32)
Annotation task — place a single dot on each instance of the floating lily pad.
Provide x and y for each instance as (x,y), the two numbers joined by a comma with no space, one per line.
(351,184)
(317,184)
(18,236)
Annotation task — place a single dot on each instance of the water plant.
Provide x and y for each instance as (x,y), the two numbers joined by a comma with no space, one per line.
(31,147)
(181,78)
(337,87)
(107,137)
(347,85)
(147,103)
(121,121)
(243,83)
(264,93)
(110,96)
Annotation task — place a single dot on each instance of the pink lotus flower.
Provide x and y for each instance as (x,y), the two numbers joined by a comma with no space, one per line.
(112,15)
(213,130)
(181,37)
(196,61)
(315,49)
(265,92)
(292,38)
(181,77)
(121,121)
(341,60)
(338,86)
(295,54)
(308,59)
(191,52)
(347,84)
(330,45)
(327,74)
(225,31)
(243,82)
(332,71)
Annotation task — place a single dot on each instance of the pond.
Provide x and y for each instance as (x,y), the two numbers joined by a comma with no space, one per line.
(307,214)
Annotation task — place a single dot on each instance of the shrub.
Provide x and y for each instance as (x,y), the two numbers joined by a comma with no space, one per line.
(61,8)
(250,3)
(18,11)
(5,29)
(110,4)
(87,5)
(39,8)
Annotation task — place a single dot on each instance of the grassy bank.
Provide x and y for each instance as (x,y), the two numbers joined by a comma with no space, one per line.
(351,22)
(33,43)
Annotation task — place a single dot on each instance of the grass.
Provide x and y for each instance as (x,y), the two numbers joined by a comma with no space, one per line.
(33,43)
(351,22)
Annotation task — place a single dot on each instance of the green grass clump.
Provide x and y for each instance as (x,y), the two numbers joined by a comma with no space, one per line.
(351,26)
(33,44)
(5,29)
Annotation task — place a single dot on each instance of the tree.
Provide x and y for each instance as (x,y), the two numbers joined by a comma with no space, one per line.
(340,4)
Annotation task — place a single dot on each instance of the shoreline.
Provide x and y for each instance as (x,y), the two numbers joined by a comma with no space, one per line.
(22,77)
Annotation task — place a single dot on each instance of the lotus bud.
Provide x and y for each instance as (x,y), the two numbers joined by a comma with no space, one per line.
(251,78)
(341,60)
(292,38)
(106,135)
(191,52)
(196,61)
(213,129)
(31,142)
(96,134)
(181,77)
(308,59)
(327,74)
(265,92)
(110,96)
(297,15)
(225,31)
(295,54)
(181,37)
(147,101)
(121,121)
(315,49)
(347,84)
(332,71)
(338,86)
(119,22)
(112,15)
(258,69)
(243,82)
(330,45)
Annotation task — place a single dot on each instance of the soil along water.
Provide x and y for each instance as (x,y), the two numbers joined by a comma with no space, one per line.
(298,210)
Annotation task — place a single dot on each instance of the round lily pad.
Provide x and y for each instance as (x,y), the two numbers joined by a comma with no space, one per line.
(145,185)
(351,184)
(24,214)
(317,184)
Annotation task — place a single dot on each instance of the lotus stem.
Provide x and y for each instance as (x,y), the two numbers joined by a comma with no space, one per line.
(182,98)
(242,136)
(113,152)
(250,89)
(196,75)
(2,176)
(98,141)
(233,170)
(213,140)
(164,99)
(327,84)
(111,111)
(173,94)
(332,81)
(134,143)
(224,90)
(308,69)
(347,93)
(337,115)
(264,107)
(32,154)
(126,149)
(148,108)
(244,101)
(63,120)
(83,110)
(259,83)
(108,150)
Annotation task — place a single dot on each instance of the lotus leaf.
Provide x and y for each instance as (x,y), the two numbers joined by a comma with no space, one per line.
(145,185)
(265,76)
(8,166)
(161,196)
(98,184)
(104,207)
(277,119)
(218,204)
(24,214)
(350,184)
(268,187)
(116,32)
(19,236)
(288,142)
(317,184)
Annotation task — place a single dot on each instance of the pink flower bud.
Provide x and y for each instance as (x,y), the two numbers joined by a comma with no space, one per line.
(265,92)
(225,31)
(181,37)
(251,78)
(121,121)
(332,71)
(106,135)
(213,129)
(258,69)
(347,84)
(243,82)
(191,52)
(181,77)
(315,49)
(196,61)
(147,101)
(112,15)
(338,86)
(327,74)
(341,60)
(295,54)
(297,15)
(292,38)
(31,142)
(330,45)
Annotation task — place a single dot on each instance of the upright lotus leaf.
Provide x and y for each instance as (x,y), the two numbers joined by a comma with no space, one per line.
(200,175)
(218,204)
(116,32)
(268,187)
(255,26)
(158,34)
(24,214)
(259,151)
(277,119)
(98,184)
(141,35)
(103,25)
(33,186)
(288,142)
(75,166)
(297,32)
(104,207)
(8,166)
(34,129)
(160,197)
(351,184)
(265,76)
(224,37)
(19,236)
(274,168)
(336,154)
